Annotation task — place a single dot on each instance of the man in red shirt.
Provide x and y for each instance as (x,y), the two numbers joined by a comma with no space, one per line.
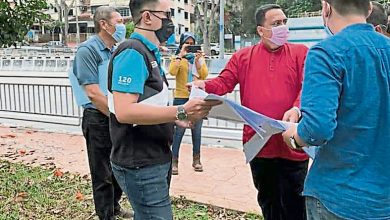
(270,76)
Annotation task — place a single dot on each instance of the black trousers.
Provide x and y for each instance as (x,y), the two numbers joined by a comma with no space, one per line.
(106,191)
(279,183)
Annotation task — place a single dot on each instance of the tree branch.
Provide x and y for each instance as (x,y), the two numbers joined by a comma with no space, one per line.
(72,4)
(213,15)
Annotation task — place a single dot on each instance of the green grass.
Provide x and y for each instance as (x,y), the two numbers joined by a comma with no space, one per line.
(35,193)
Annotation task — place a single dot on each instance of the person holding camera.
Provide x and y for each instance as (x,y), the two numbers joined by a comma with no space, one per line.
(187,66)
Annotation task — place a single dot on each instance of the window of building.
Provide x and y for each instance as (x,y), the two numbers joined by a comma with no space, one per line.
(185,1)
(186,29)
(125,12)
(186,15)
(93,9)
(173,12)
(180,29)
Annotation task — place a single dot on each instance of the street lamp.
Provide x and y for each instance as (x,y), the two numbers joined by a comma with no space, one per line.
(222,29)
(77,22)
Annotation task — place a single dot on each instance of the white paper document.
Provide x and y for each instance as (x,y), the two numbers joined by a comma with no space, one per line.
(264,126)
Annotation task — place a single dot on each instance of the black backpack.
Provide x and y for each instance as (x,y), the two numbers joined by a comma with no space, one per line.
(153,83)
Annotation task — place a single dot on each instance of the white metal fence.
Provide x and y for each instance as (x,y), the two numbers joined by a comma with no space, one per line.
(37,89)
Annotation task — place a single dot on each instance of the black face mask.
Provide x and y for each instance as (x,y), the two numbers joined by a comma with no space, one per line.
(166,30)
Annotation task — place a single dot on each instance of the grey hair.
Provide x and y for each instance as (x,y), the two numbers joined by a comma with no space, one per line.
(102,13)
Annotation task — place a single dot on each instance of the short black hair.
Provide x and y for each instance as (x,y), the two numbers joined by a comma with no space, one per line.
(387,7)
(262,10)
(378,15)
(136,6)
(351,7)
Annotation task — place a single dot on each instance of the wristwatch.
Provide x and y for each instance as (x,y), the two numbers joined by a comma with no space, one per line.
(181,113)
(294,143)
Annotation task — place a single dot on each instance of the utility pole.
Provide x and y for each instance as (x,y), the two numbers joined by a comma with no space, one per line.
(222,29)
(77,22)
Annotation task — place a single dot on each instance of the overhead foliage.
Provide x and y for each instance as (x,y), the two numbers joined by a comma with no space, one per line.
(17,17)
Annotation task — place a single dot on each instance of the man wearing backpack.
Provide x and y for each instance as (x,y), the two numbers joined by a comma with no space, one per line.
(141,123)
(89,82)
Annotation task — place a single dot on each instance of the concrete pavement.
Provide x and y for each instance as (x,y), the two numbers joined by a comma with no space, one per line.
(226,180)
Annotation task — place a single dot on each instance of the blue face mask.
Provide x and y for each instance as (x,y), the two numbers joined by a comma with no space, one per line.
(120,33)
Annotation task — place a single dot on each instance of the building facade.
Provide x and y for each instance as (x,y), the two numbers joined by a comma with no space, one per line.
(182,15)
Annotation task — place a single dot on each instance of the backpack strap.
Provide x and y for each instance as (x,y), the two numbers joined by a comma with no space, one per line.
(137,45)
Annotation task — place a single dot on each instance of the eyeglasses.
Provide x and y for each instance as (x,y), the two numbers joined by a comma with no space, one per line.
(167,14)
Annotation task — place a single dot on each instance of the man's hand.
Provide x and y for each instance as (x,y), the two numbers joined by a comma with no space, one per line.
(184,124)
(163,48)
(197,109)
(98,99)
(291,115)
(198,84)
(293,132)
(290,132)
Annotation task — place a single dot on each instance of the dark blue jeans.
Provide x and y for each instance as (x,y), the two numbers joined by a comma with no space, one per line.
(196,133)
(106,191)
(147,189)
(279,183)
(316,210)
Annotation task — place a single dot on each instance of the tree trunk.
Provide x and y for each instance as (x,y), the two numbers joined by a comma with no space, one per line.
(206,42)
(213,16)
(207,21)
(63,12)
(67,8)
(66,24)
(60,19)
(206,33)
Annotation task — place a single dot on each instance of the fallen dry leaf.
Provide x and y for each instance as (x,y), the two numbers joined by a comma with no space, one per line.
(58,173)
(20,197)
(79,196)
(8,136)
(22,152)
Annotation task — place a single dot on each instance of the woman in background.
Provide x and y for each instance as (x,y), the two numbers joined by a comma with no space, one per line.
(187,67)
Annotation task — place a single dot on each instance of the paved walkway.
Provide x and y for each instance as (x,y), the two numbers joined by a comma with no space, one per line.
(225,182)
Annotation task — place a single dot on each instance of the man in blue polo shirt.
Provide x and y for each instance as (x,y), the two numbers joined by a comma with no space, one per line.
(141,123)
(346,111)
(378,18)
(89,81)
